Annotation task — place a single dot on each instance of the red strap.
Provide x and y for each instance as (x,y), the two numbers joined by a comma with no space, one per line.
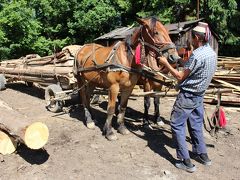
(138,54)
(222,118)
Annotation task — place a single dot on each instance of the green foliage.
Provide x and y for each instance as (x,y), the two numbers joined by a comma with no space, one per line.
(45,26)
(224,16)
(91,19)
(18,29)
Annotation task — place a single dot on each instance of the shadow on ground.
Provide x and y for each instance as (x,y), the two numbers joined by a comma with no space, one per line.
(23,88)
(39,156)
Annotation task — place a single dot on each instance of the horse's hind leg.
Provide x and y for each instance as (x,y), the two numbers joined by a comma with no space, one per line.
(112,97)
(147,87)
(85,97)
(123,105)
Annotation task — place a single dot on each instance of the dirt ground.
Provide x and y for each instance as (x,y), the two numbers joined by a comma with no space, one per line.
(75,152)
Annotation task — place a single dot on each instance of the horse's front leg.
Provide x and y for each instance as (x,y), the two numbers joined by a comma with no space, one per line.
(146,108)
(157,117)
(112,97)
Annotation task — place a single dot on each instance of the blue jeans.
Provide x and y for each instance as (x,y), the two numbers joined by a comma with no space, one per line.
(188,107)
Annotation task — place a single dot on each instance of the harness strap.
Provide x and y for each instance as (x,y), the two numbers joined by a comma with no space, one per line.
(104,66)
(169,46)
(159,50)
(94,54)
(143,72)
(151,46)
(113,52)
(75,67)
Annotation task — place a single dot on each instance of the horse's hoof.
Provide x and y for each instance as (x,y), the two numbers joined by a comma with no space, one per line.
(123,130)
(160,123)
(111,137)
(90,125)
(147,127)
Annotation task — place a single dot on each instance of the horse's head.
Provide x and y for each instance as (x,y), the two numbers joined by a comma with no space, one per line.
(156,38)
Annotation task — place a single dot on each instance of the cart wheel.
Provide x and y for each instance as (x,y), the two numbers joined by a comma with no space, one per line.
(29,84)
(2,82)
(50,92)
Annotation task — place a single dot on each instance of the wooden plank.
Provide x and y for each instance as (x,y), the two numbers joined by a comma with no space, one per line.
(233,63)
(226,72)
(228,58)
(228,84)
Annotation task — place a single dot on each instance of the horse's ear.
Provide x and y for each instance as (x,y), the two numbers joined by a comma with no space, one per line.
(144,23)
(141,21)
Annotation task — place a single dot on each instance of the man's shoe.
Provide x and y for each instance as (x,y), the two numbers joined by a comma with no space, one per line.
(203,158)
(186,165)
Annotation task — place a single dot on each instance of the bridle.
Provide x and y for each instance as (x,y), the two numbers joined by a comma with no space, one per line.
(161,49)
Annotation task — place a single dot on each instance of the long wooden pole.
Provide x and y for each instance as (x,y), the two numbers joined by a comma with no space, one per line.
(165,94)
(172,94)
(198,4)
(40,71)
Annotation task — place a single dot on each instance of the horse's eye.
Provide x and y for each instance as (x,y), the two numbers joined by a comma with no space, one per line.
(156,33)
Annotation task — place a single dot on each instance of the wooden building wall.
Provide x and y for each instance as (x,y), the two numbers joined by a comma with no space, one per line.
(187,37)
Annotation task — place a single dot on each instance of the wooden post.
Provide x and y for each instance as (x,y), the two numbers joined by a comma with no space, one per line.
(198,4)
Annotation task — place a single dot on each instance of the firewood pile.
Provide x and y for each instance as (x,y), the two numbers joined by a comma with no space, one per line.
(227,76)
(43,70)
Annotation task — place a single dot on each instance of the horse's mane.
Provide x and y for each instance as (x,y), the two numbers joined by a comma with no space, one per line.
(128,39)
(153,21)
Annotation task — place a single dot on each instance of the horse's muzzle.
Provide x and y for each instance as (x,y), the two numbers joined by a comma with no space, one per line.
(172,58)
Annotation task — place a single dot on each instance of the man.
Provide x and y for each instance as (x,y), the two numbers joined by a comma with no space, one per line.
(193,80)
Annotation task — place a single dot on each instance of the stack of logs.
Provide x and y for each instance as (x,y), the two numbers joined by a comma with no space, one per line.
(42,70)
(227,76)
(226,82)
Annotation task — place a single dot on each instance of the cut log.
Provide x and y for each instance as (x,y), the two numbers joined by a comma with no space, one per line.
(48,71)
(34,135)
(7,144)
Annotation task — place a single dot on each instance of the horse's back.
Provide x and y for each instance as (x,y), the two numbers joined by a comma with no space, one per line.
(92,53)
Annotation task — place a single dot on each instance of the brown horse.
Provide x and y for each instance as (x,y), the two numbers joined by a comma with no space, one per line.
(114,68)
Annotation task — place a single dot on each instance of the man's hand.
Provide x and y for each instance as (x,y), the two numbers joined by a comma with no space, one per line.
(179,75)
